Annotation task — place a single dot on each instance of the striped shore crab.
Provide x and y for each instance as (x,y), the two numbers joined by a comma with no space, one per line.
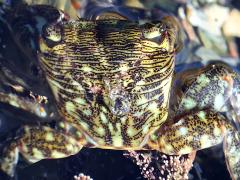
(108,86)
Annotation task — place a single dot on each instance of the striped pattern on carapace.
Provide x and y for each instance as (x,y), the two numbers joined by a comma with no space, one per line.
(112,78)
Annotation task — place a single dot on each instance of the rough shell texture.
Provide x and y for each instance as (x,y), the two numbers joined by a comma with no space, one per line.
(111,78)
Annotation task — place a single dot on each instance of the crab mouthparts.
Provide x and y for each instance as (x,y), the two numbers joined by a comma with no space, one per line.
(120,101)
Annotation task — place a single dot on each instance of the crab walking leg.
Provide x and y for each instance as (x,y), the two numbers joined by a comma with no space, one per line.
(194,131)
(232,153)
(37,143)
(9,159)
(199,130)
(24,104)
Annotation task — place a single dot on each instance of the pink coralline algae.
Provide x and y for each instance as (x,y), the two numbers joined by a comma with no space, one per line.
(156,165)
(81,176)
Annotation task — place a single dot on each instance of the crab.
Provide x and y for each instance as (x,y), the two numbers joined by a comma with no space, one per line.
(110,84)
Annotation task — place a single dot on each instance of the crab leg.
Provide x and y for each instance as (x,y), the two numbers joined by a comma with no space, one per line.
(232,154)
(199,130)
(37,143)
(24,104)
(215,86)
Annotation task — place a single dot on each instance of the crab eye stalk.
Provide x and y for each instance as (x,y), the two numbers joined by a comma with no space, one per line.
(52,34)
(164,33)
(153,31)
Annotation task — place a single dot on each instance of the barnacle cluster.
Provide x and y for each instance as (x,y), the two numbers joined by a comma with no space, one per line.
(160,166)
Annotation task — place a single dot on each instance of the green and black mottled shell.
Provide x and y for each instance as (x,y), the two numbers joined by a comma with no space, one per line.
(111,78)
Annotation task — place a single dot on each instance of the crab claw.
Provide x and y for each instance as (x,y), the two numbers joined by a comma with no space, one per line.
(215,86)
(203,96)
(200,130)
(37,143)
(210,86)
(194,131)
(232,153)
(235,100)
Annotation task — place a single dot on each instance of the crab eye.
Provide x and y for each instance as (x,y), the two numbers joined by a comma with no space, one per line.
(52,34)
(153,31)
